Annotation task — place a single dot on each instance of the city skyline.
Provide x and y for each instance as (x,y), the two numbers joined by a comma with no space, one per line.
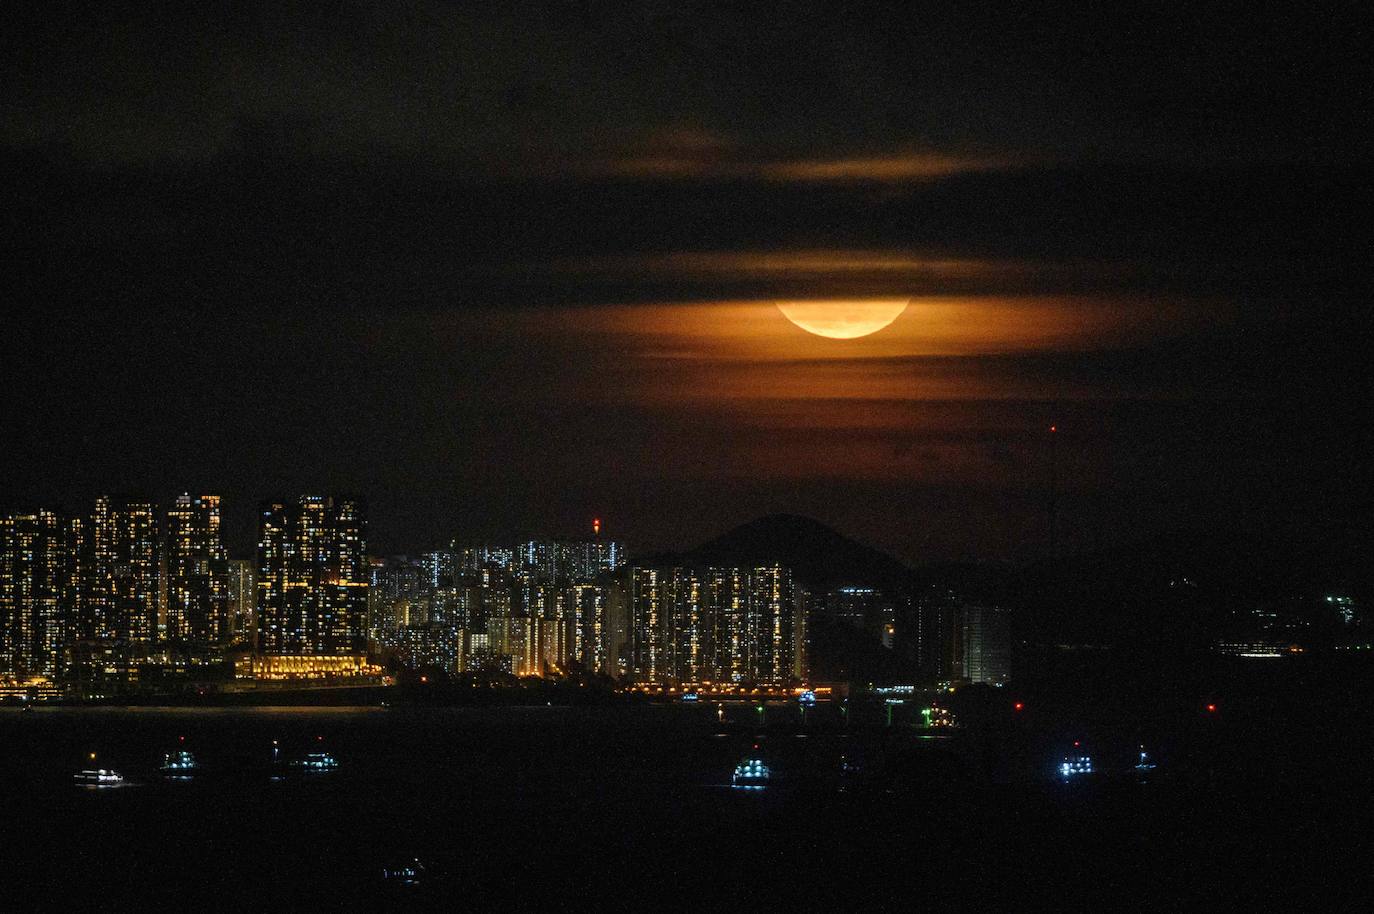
(140,590)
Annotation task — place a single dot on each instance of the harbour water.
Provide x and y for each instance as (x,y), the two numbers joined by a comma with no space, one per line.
(614,808)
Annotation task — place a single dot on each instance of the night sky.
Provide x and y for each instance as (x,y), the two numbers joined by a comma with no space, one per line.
(502,268)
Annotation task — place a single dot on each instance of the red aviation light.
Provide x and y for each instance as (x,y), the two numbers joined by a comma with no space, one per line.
(596,526)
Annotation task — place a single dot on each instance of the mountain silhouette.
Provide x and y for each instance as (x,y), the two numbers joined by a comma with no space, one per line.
(820,557)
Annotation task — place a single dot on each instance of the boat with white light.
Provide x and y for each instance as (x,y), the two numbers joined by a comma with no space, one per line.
(751,774)
(98,777)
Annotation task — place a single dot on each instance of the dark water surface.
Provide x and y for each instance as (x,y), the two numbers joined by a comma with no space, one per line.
(625,808)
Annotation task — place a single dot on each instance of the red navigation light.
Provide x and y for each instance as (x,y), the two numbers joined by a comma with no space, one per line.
(181,739)
(1075,744)
(1019,706)
(1054,428)
(1211,708)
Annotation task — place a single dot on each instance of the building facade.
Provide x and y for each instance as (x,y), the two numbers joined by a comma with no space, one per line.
(34,572)
(715,624)
(986,635)
(242,602)
(197,572)
(124,572)
(312,577)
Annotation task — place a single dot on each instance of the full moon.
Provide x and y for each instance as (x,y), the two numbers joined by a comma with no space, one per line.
(843,319)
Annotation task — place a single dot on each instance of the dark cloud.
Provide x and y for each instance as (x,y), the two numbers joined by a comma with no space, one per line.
(253,248)
(491,86)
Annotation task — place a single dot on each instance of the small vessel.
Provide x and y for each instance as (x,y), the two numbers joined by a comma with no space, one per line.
(98,777)
(412,872)
(280,766)
(1144,763)
(317,763)
(690,696)
(179,764)
(1075,766)
(27,709)
(751,774)
(853,774)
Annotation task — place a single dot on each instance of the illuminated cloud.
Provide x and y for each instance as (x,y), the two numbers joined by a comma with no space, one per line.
(840,273)
(756,332)
(710,164)
(899,167)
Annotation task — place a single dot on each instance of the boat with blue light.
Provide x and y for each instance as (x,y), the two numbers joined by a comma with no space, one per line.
(751,774)
(316,763)
(180,765)
(410,873)
(1075,766)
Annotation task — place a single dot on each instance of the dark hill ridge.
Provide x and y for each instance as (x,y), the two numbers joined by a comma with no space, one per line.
(820,557)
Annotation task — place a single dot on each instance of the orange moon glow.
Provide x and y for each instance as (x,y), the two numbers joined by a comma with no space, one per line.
(843,319)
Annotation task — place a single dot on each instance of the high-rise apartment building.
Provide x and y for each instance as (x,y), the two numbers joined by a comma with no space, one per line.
(243,594)
(586,612)
(651,600)
(197,572)
(312,577)
(33,584)
(587,560)
(724,624)
(939,635)
(123,580)
(986,634)
(439,569)
(734,623)
(615,629)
